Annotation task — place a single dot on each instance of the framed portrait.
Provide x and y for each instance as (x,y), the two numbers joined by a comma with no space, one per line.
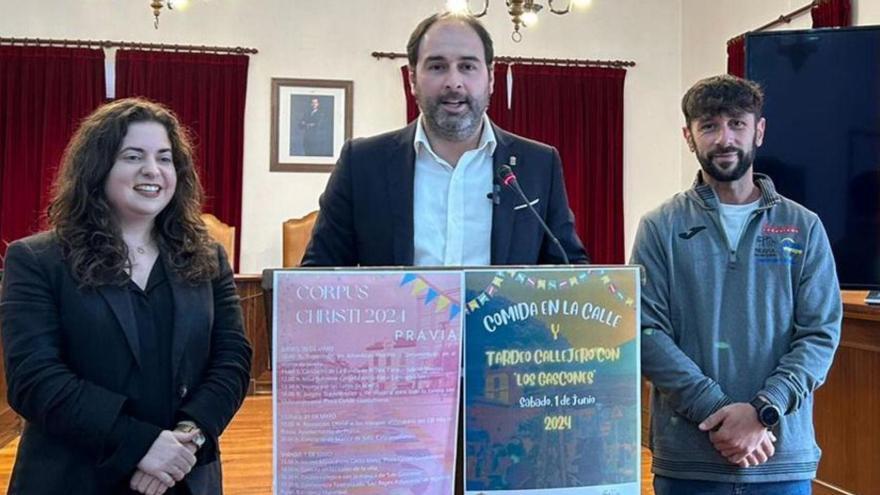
(311,119)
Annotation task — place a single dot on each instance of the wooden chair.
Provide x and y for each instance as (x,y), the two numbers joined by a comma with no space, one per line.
(296,232)
(222,233)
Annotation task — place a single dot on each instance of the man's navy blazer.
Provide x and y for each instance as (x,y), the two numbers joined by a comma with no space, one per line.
(366,215)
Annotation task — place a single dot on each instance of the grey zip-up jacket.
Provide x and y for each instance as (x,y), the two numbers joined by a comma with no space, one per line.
(723,323)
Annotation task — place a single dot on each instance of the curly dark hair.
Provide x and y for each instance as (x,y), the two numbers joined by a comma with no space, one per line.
(722,94)
(83,218)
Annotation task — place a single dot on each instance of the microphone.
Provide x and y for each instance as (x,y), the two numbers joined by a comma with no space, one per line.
(508,179)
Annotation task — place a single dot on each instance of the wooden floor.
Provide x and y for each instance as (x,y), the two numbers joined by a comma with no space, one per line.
(247,452)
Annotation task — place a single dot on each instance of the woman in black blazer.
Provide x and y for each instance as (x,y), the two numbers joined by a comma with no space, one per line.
(122,330)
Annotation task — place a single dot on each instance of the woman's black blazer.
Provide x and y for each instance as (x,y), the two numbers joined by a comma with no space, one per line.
(72,361)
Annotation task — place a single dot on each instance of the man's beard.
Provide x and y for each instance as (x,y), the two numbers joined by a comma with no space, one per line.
(730,174)
(453,127)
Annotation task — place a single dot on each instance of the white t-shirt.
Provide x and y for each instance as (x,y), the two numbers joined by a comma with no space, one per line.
(734,218)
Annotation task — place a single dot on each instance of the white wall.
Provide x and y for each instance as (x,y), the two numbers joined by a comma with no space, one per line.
(332,39)
(706,27)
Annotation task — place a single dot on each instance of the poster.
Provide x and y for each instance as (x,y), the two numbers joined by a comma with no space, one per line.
(552,381)
(366,381)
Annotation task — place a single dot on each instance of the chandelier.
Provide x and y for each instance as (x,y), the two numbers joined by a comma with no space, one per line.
(523,13)
(157,6)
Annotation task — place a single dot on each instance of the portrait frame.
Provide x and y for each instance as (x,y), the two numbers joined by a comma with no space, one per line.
(311,119)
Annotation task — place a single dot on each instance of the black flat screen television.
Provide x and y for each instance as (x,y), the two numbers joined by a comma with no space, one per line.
(822,146)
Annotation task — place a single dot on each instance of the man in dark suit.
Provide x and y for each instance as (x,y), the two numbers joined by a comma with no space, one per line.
(428,194)
(316,129)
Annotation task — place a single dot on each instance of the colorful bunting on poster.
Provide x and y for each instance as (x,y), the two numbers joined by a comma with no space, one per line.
(487,293)
(454,310)
(432,296)
(442,303)
(544,284)
(419,286)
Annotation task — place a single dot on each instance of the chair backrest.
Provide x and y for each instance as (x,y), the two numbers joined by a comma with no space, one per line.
(296,232)
(222,233)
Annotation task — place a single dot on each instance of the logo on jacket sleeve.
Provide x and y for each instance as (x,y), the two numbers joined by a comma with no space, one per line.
(692,232)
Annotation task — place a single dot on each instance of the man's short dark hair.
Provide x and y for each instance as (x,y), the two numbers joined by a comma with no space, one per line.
(415,39)
(722,94)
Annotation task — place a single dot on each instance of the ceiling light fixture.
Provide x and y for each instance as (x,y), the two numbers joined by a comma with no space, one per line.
(523,13)
(157,6)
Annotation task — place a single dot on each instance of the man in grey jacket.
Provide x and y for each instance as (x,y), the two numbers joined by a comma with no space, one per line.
(740,313)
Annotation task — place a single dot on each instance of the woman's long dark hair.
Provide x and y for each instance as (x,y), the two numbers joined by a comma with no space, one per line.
(85,222)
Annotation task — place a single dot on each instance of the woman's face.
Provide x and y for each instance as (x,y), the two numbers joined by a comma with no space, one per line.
(143,178)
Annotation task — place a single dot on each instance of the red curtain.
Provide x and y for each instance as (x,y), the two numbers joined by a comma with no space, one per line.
(412,109)
(832,13)
(579,110)
(736,56)
(207,91)
(44,93)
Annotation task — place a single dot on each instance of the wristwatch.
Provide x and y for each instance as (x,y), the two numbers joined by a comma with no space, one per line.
(768,413)
(188,426)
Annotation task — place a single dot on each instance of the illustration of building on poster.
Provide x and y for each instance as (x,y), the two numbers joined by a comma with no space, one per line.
(552,381)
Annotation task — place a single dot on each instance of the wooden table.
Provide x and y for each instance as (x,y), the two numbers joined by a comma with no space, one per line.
(847,407)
